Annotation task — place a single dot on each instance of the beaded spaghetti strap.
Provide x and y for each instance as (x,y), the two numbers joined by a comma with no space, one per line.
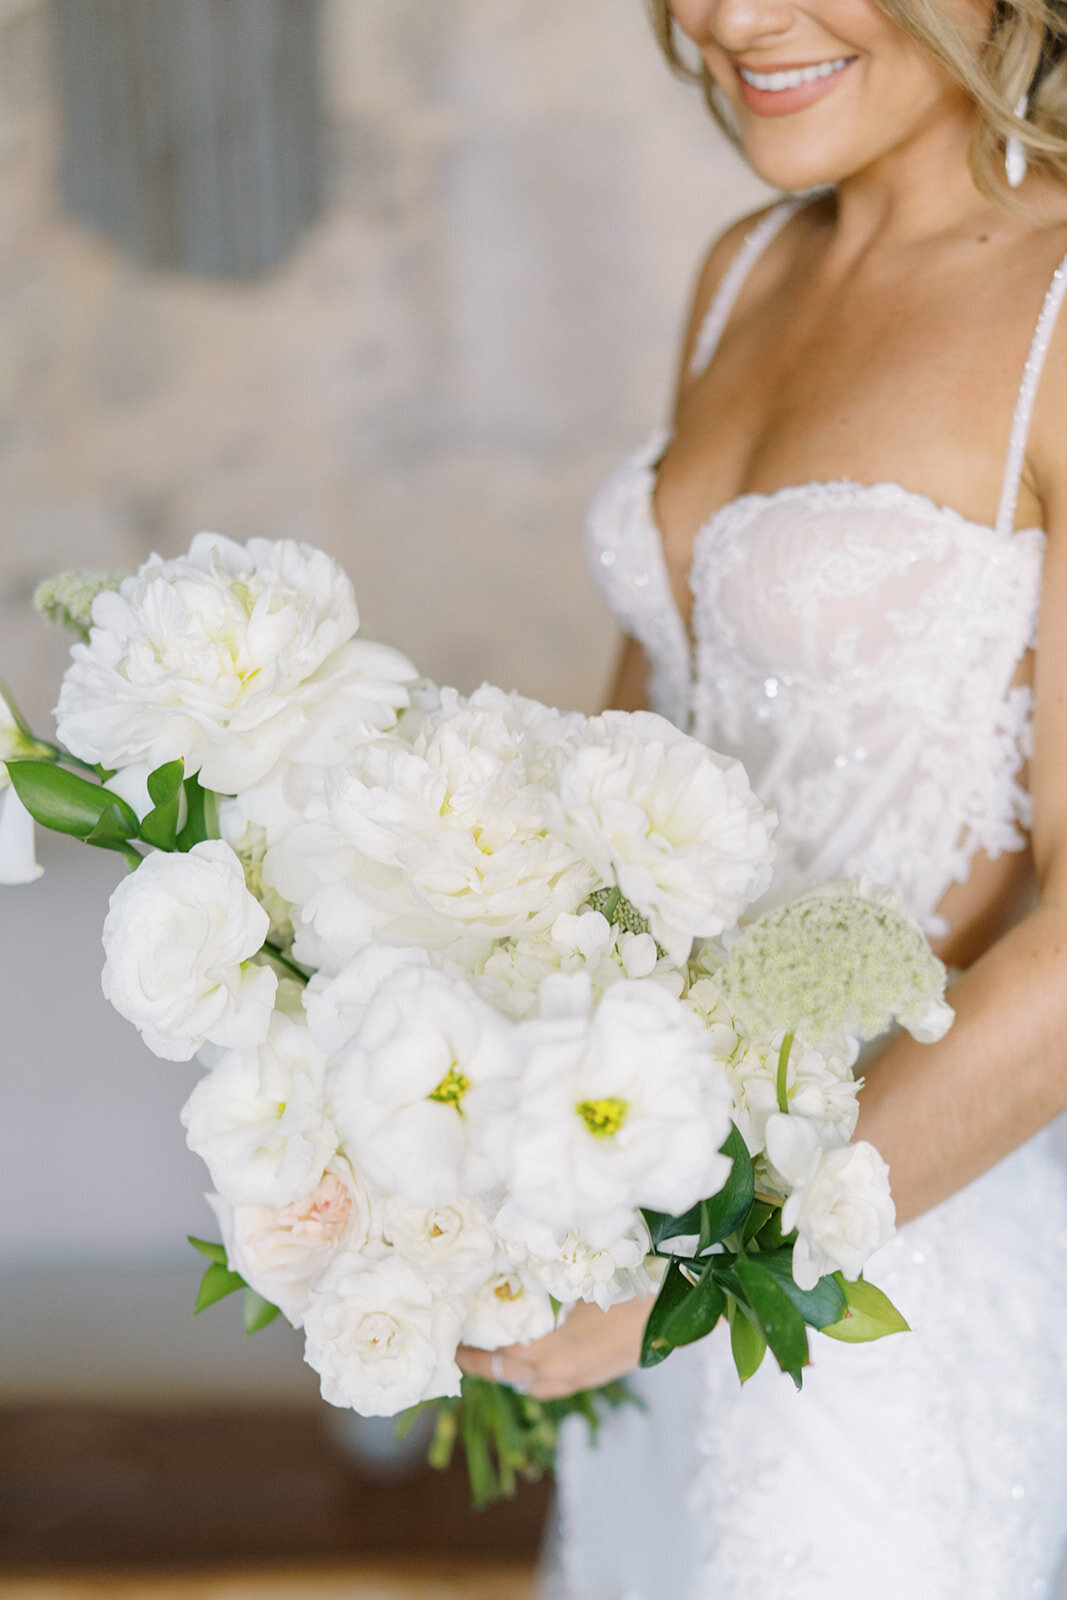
(722,301)
(1024,406)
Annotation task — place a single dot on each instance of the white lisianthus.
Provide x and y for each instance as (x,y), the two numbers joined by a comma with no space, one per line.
(379,1338)
(674,824)
(621,1104)
(423,1094)
(839,1202)
(464,818)
(452,1245)
(510,1307)
(258,1118)
(337,1004)
(282,1251)
(843,959)
(178,940)
(569,1267)
(228,657)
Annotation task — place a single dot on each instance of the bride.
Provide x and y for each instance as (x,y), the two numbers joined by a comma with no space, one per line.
(836,566)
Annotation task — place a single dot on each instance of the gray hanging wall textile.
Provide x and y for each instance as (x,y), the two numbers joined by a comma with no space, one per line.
(192,128)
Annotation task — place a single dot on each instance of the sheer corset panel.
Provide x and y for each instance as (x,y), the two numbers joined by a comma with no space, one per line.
(854,645)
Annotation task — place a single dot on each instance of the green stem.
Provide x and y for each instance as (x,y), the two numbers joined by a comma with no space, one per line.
(783,1070)
(277,954)
(611,904)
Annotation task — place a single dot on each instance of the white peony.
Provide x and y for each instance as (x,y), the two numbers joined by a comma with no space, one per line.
(452,1245)
(572,1269)
(258,1118)
(228,657)
(622,1104)
(510,1307)
(675,825)
(461,824)
(840,1202)
(422,1095)
(379,1338)
(178,940)
(282,1251)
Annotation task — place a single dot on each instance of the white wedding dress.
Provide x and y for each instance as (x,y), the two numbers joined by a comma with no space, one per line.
(855,647)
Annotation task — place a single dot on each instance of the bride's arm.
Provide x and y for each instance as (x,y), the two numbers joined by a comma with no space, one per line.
(943,1114)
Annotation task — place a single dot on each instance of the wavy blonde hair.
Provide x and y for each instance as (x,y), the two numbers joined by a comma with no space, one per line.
(1025,52)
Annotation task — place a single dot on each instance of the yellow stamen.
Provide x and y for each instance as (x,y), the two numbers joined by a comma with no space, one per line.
(452,1087)
(603,1117)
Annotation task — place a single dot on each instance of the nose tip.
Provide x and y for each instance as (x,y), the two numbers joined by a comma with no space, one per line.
(738,25)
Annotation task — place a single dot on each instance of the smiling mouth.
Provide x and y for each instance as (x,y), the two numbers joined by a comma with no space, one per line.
(793,77)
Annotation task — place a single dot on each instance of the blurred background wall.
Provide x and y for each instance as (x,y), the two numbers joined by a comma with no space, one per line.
(429,385)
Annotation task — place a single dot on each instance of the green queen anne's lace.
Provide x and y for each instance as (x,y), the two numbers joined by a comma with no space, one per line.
(842,959)
(67,599)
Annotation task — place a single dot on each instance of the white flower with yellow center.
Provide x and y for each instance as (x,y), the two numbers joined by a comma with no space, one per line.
(569,1267)
(452,1244)
(229,657)
(622,1104)
(510,1307)
(423,1093)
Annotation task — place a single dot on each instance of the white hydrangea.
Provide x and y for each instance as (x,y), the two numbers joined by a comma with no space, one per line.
(607,1087)
(423,1094)
(839,1200)
(510,1307)
(283,1251)
(178,940)
(674,824)
(570,1268)
(452,1245)
(842,959)
(378,1336)
(228,657)
(258,1119)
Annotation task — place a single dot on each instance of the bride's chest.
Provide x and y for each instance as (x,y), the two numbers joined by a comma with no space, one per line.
(813,597)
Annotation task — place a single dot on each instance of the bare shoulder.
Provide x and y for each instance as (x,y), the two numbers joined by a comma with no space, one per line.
(1048,436)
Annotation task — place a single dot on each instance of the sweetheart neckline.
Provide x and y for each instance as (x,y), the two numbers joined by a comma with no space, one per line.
(649,456)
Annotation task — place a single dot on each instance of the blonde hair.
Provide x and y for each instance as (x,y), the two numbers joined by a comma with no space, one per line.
(1025,52)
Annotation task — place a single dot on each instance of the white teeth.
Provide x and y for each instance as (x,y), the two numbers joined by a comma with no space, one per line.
(773,82)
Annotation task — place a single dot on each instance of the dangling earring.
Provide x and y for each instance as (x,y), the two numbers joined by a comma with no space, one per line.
(1015,150)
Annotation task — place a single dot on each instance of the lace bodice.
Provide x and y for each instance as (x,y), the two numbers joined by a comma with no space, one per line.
(854,645)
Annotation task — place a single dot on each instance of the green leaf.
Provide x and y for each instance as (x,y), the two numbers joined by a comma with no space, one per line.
(747,1344)
(714,1219)
(757,1219)
(214,1252)
(673,1290)
(201,821)
(870,1314)
(160,826)
(62,801)
(698,1312)
(725,1212)
(216,1284)
(258,1313)
(820,1307)
(776,1317)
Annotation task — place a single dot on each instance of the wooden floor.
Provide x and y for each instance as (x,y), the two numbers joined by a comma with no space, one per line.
(99,1501)
(446,1581)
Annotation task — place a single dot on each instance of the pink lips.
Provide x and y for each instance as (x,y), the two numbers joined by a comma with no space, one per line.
(782,102)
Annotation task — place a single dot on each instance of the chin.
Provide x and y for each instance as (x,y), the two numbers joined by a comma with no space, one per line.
(797,164)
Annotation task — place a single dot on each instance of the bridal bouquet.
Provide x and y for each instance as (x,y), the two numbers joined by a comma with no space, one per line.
(483,1032)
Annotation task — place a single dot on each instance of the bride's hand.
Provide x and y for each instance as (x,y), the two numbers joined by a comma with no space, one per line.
(590,1348)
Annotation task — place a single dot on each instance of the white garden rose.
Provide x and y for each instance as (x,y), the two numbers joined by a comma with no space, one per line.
(282,1251)
(621,1104)
(379,1338)
(572,1269)
(179,938)
(510,1307)
(258,1118)
(674,824)
(839,1203)
(228,657)
(452,1245)
(423,1094)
